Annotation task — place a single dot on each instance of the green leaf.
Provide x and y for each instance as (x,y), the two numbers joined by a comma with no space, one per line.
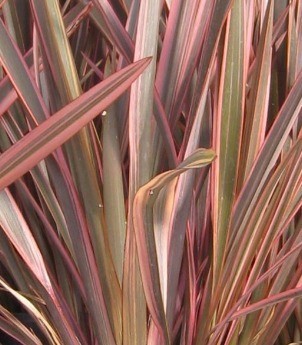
(114,207)
(228,129)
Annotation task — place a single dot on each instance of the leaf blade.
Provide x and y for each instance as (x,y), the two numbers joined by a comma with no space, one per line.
(42,140)
(144,232)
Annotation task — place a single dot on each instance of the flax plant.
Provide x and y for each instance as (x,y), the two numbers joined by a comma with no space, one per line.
(150,172)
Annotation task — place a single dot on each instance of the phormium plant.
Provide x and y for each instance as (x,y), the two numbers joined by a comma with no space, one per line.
(150,172)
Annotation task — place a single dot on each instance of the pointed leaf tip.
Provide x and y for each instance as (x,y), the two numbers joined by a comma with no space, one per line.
(61,126)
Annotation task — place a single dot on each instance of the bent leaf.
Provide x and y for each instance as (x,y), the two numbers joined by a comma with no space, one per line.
(143,226)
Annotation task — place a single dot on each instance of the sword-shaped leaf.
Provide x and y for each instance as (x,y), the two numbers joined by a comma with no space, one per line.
(56,130)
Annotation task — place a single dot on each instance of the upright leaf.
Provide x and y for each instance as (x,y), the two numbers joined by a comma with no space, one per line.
(227,129)
(114,207)
(267,156)
(18,71)
(140,149)
(58,57)
(257,104)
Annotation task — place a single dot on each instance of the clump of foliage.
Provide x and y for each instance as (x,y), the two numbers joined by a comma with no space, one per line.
(150,171)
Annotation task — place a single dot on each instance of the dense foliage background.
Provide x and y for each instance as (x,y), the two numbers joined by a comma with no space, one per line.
(150,172)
